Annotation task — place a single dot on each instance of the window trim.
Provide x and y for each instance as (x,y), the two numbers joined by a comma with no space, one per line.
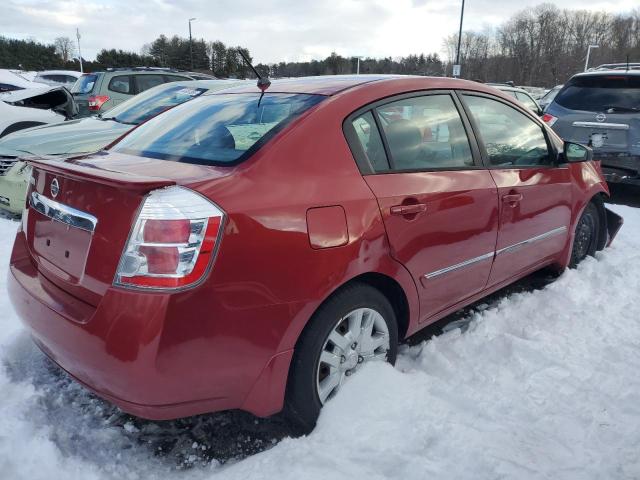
(460,93)
(360,156)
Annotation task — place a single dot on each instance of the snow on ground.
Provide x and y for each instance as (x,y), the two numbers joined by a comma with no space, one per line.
(543,384)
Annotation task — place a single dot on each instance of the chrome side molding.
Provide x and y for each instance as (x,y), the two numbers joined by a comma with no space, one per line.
(487,256)
(63,213)
(460,265)
(528,241)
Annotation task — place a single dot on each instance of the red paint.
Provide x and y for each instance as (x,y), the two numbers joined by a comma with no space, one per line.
(227,343)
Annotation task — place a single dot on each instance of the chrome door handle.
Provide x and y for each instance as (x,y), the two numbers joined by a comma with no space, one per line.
(413,209)
(512,198)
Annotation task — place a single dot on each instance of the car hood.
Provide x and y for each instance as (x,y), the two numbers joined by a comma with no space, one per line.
(76,136)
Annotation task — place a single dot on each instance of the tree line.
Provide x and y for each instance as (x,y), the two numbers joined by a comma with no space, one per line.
(545,45)
(541,46)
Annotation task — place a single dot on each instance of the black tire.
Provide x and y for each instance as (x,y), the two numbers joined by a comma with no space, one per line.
(302,403)
(585,241)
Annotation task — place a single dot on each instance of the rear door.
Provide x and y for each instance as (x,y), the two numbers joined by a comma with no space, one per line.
(534,191)
(439,205)
(147,81)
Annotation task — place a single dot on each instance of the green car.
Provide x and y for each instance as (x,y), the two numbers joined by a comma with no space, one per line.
(87,135)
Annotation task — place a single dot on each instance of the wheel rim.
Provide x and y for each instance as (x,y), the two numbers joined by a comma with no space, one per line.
(585,232)
(360,336)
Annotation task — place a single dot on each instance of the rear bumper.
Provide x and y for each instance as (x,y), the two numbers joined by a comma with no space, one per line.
(136,351)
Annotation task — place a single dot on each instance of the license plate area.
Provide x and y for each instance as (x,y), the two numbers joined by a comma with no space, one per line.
(60,248)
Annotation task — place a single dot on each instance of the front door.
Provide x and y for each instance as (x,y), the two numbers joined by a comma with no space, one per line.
(439,205)
(534,191)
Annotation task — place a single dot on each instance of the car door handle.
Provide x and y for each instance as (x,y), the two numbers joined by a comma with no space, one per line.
(512,198)
(413,209)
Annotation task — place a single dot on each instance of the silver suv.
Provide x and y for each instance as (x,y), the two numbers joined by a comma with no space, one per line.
(601,108)
(97,92)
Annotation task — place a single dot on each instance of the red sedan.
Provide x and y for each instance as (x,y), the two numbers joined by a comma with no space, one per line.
(252,251)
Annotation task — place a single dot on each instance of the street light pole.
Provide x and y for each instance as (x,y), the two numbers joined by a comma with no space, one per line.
(459,40)
(586,63)
(79,51)
(358,65)
(191,43)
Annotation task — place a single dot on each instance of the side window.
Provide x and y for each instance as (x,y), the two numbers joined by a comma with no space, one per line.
(175,78)
(145,82)
(121,84)
(370,141)
(425,133)
(527,101)
(511,138)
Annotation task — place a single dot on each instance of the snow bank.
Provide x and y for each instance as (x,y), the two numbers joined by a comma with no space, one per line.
(543,384)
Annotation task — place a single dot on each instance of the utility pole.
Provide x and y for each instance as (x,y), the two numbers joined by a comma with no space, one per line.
(358,64)
(586,63)
(456,67)
(191,43)
(79,51)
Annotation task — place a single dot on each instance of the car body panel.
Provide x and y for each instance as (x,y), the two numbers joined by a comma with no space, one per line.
(145,351)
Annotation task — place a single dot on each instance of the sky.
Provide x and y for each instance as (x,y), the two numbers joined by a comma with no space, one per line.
(273,30)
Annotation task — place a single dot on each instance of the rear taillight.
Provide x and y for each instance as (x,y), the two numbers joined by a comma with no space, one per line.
(173,241)
(549,119)
(96,101)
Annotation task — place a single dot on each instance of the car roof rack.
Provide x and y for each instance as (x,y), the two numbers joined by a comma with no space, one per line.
(616,66)
(143,69)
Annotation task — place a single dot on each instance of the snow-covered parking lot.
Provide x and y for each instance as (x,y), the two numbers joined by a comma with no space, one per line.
(543,384)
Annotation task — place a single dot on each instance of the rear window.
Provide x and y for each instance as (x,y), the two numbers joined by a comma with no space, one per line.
(84,84)
(120,84)
(601,93)
(216,129)
(152,102)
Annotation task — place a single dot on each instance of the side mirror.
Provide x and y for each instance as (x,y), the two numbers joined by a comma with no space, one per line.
(574,152)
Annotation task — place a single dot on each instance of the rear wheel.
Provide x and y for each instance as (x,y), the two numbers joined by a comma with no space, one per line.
(355,326)
(585,241)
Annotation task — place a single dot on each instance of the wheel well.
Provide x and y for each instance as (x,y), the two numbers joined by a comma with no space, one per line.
(598,201)
(394,293)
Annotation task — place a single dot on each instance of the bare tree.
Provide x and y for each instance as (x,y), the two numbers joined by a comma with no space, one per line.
(65,47)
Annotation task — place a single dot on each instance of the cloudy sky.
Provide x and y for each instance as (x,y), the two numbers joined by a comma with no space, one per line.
(273,30)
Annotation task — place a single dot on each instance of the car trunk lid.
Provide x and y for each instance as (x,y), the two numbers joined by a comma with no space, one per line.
(602,132)
(81,212)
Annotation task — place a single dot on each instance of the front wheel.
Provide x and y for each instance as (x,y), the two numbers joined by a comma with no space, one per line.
(355,326)
(585,241)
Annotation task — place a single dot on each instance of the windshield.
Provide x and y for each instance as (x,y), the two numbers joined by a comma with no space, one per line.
(601,93)
(84,84)
(152,102)
(216,129)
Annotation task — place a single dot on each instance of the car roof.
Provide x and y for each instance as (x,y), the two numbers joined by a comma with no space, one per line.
(506,88)
(334,84)
(60,72)
(320,85)
(604,72)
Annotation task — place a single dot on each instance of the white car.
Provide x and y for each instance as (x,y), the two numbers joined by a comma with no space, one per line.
(57,77)
(11,80)
(31,107)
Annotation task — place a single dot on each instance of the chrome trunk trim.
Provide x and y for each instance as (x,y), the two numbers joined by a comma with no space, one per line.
(63,213)
(610,126)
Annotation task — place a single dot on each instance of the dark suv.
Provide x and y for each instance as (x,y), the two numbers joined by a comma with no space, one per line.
(601,108)
(99,91)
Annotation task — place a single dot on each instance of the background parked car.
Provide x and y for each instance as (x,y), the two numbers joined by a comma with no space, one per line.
(519,94)
(11,80)
(88,134)
(30,107)
(57,77)
(548,97)
(601,108)
(99,91)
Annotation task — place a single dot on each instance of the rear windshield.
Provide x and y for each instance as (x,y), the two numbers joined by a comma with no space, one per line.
(152,102)
(601,93)
(84,84)
(216,129)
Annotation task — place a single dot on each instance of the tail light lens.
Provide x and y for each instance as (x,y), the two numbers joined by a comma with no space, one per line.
(173,241)
(549,119)
(96,101)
